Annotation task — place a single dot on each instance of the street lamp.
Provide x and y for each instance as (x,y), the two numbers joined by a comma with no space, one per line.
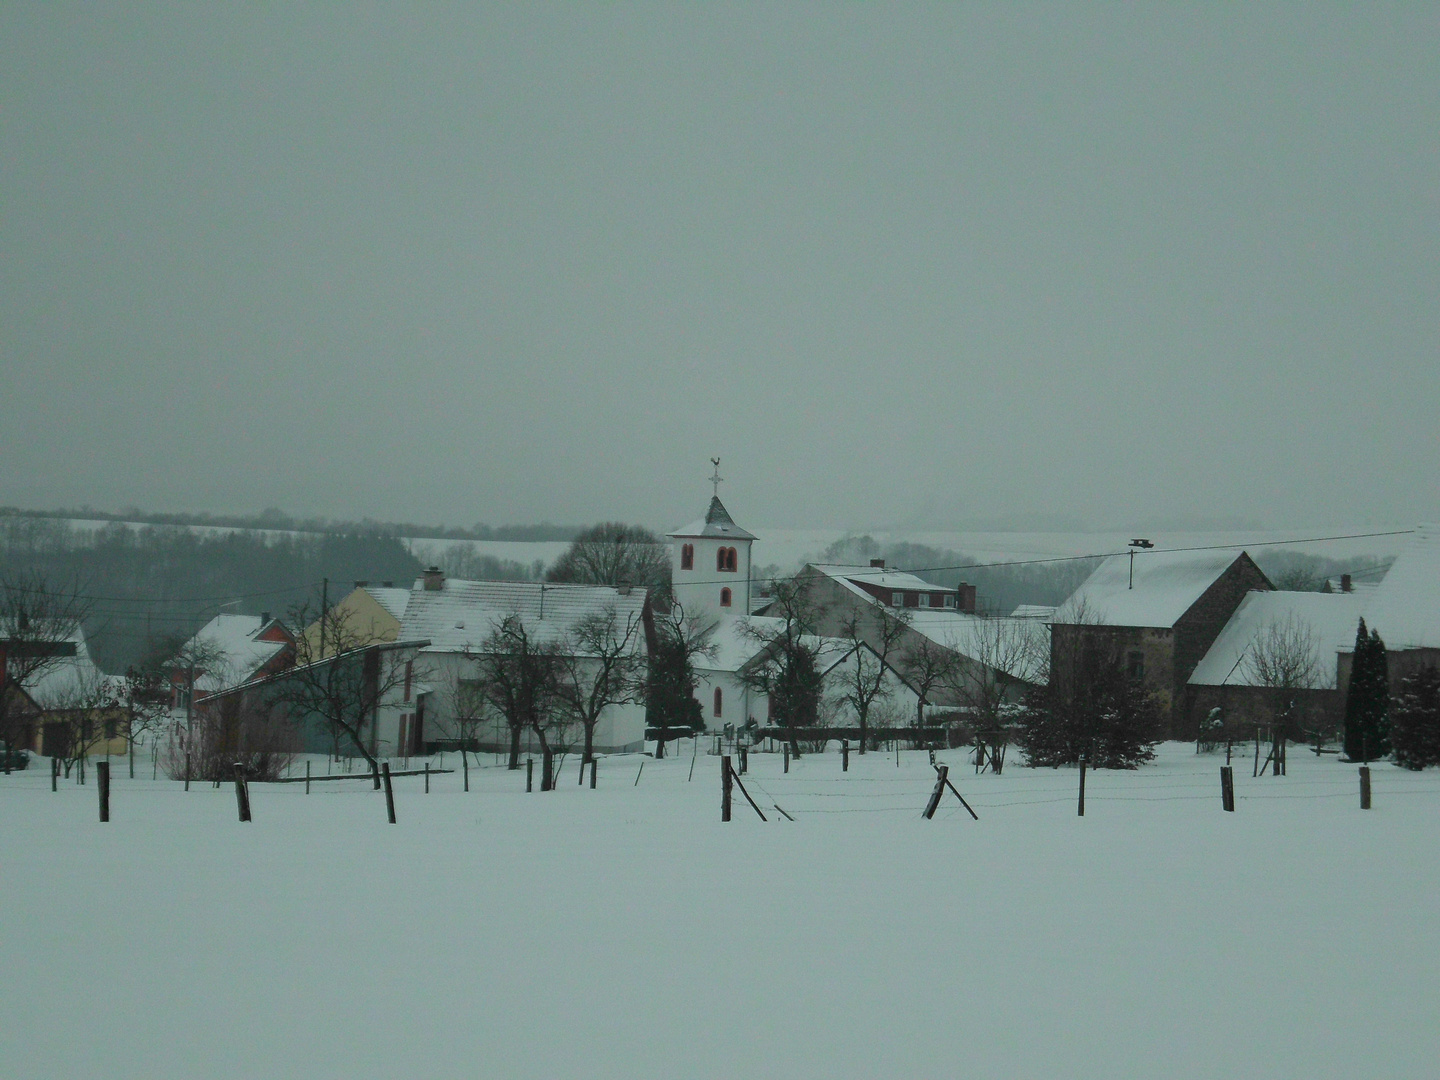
(1137,545)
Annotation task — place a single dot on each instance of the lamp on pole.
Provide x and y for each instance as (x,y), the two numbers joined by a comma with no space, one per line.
(1140,544)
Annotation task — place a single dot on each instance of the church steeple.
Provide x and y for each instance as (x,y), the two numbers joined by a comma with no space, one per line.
(710,564)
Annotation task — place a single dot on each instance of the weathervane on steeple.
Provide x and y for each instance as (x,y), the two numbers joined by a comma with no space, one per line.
(716,479)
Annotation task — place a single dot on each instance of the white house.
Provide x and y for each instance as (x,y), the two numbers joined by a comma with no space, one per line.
(458,617)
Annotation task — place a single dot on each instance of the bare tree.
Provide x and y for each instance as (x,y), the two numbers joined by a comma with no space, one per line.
(83,715)
(927,665)
(343,688)
(469,712)
(150,694)
(519,675)
(874,636)
(993,666)
(600,666)
(39,624)
(1285,659)
(786,665)
(613,553)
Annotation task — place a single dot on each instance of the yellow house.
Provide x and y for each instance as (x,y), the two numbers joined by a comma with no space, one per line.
(368,616)
(71,708)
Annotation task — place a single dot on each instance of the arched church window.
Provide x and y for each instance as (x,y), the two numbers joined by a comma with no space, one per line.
(732,560)
(719,700)
(720,558)
(724,597)
(687,556)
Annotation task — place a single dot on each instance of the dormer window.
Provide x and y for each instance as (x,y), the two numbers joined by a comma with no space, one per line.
(687,556)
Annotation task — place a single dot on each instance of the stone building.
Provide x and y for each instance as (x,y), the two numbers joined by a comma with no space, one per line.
(1159,612)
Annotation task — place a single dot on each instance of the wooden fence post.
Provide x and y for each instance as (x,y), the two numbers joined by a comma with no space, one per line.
(54,774)
(307,776)
(786,747)
(1364,787)
(187,770)
(547,769)
(593,763)
(465,765)
(102,784)
(942,774)
(1082,786)
(956,792)
(753,805)
(744,760)
(724,788)
(427,778)
(1227,788)
(529,774)
(844,755)
(389,793)
(242,792)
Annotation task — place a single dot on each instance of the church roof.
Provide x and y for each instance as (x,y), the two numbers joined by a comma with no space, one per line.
(717,522)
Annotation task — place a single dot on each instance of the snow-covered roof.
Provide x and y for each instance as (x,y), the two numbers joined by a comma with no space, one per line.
(736,642)
(852,576)
(236,640)
(717,522)
(462,614)
(1405,609)
(1330,619)
(1167,584)
(1021,646)
(1033,611)
(392,600)
(65,681)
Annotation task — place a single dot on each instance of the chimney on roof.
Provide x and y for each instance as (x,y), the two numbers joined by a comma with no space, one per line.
(265,618)
(878,564)
(434,579)
(1345,583)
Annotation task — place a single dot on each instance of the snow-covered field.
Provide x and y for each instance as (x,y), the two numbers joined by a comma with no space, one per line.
(625,932)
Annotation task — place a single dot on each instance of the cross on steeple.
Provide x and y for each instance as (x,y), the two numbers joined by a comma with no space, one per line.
(716,479)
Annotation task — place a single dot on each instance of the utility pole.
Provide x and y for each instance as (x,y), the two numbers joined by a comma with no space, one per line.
(324,604)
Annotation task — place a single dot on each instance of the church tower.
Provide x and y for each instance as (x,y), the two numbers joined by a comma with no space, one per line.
(710,562)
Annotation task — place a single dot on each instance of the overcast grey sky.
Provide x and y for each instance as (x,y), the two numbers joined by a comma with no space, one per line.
(896,265)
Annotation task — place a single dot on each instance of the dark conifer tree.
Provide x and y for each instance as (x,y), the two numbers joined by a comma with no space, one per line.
(1415,720)
(1367,702)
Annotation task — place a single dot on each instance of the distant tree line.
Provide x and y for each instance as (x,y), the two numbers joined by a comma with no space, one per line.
(152,583)
(278,520)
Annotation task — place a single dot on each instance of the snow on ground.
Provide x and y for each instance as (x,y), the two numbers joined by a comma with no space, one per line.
(626,932)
